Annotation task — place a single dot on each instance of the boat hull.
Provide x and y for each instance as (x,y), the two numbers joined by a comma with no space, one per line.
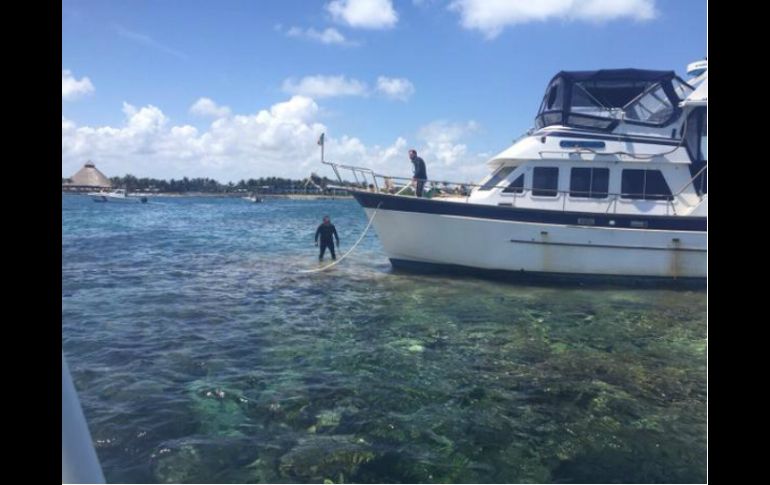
(424,234)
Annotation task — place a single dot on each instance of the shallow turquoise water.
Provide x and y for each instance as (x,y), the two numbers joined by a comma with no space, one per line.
(201,354)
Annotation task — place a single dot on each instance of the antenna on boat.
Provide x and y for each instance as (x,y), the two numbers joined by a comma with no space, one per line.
(321,142)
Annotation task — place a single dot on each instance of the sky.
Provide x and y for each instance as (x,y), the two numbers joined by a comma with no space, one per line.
(235,90)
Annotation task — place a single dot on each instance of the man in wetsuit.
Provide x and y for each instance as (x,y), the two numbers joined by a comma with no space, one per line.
(420,173)
(326,230)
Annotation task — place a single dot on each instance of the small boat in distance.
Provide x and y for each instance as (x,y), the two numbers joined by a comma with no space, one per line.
(117,195)
(253,198)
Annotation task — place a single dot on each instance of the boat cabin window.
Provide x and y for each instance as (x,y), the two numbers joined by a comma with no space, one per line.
(644,185)
(605,98)
(681,88)
(554,96)
(517,186)
(696,141)
(601,99)
(545,181)
(591,183)
(497,177)
(651,107)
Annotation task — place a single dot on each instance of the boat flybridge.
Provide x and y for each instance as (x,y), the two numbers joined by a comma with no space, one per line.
(610,182)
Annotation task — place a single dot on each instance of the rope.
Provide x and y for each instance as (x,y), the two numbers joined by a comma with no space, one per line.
(349,250)
(403,189)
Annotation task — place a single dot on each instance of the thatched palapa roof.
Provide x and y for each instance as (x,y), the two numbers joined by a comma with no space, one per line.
(89,176)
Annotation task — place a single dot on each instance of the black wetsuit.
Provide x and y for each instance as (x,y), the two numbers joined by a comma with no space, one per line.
(420,173)
(326,231)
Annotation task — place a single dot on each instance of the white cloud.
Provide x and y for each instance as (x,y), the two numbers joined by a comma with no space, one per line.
(492,16)
(278,141)
(365,14)
(395,88)
(147,120)
(298,108)
(441,141)
(72,88)
(325,86)
(326,36)
(207,107)
(320,86)
(389,159)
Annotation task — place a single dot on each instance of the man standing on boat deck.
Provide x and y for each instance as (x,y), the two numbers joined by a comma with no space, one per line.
(326,230)
(420,173)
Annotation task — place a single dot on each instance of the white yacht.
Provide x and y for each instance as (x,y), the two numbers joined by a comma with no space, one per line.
(117,195)
(610,182)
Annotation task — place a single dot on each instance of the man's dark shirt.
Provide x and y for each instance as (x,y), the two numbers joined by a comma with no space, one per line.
(326,231)
(419,168)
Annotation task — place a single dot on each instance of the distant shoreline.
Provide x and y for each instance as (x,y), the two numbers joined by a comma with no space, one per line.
(227,196)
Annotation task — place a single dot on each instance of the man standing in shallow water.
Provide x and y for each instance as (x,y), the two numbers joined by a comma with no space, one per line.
(326,230)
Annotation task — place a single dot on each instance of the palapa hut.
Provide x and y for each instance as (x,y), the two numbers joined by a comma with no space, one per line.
(87,178)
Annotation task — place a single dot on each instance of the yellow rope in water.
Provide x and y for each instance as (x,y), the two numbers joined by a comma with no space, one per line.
(349,250)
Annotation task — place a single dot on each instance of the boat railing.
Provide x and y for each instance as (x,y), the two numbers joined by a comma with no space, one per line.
(388,185)
(579,152)
(450,189)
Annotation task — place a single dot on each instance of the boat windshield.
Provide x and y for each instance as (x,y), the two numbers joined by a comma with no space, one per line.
(602,99)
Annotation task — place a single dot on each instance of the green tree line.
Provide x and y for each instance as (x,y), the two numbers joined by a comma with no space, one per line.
(208,185)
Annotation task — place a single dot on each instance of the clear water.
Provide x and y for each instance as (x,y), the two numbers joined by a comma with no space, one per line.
(201,354)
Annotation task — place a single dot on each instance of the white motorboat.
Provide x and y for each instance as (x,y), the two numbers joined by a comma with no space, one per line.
(117,195)
(610,182)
